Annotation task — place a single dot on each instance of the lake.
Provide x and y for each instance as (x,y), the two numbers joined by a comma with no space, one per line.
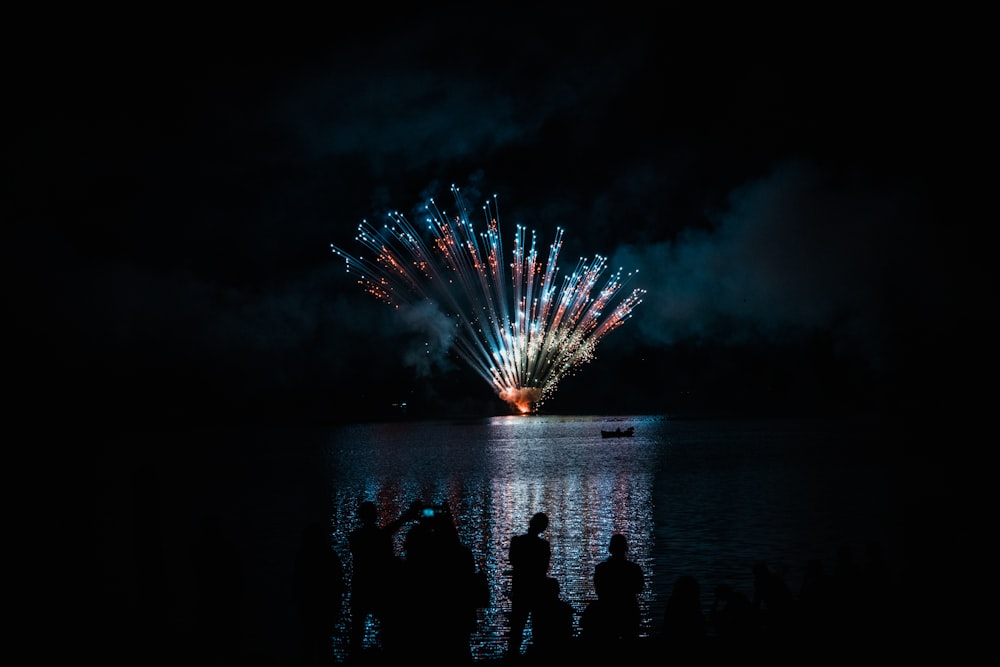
(707,497)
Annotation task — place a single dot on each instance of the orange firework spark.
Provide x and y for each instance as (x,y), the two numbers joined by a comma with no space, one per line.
(522,335)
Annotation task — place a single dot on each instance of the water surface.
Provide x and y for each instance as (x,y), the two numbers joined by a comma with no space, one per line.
(702,497)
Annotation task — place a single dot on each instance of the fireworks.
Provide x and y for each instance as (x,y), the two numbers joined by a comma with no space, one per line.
(516,323)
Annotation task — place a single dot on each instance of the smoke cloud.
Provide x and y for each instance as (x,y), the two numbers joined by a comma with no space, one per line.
(795,253)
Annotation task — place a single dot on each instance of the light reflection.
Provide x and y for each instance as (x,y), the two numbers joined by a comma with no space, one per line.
(722,493)
(494,475)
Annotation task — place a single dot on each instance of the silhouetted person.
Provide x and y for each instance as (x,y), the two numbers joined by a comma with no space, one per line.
(614,616)
(318,588)
(529,555)
(684,623)
(219,580)
(875,572)
(551,625)
(774,601)
(880,595)
(141,623)
(815,601)
(733,618)
(438,595)
(374,568)
(848,592)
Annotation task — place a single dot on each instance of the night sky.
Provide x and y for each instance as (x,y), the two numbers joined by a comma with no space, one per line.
(795,191)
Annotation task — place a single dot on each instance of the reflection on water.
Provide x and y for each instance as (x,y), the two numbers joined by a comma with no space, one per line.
(701,497)
(706,499)
(495,474)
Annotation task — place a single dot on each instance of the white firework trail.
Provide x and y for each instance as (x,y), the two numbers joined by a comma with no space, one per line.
(517,324)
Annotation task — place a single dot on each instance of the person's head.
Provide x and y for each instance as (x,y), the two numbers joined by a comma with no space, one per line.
(538,523)
(618,545)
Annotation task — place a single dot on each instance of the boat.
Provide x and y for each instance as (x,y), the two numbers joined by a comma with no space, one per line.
(618,433)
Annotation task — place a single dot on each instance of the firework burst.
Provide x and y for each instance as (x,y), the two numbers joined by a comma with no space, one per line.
(517,324)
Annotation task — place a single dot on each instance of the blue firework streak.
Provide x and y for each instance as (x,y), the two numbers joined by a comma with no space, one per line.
(523,332)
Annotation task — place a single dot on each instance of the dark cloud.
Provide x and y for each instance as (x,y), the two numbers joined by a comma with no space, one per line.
(794,253)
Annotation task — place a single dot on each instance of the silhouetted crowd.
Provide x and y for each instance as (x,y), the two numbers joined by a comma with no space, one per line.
(425,602)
